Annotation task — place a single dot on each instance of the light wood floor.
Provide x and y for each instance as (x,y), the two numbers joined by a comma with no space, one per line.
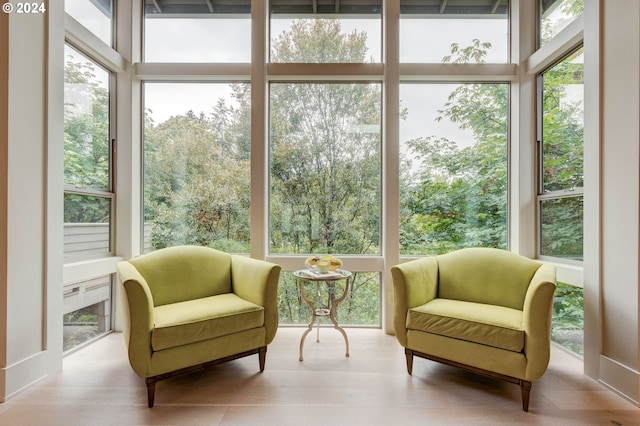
(371,387)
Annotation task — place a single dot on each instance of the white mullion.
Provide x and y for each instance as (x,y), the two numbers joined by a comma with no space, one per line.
(522,188)
(259,134)
(458,72)
(128,161)
(156,71)
(325,72)
(390,157)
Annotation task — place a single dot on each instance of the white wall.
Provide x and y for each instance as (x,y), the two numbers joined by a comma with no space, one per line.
(31,276)
(619,362)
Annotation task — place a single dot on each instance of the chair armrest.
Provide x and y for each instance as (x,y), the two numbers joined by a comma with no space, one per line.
(414,284)
(137,316)
(536,321)
(257,281)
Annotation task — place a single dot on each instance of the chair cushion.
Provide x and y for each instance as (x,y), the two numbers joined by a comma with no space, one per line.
(489,325)
(202,319)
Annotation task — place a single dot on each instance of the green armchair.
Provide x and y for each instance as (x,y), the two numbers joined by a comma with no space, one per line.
(485,310)
(187,307)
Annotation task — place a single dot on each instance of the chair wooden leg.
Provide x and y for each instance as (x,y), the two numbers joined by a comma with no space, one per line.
(525,386)
(409,354)
(262,356)
(151,381)
(151,390)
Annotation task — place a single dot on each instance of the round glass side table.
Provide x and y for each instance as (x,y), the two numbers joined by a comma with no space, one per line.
(329,279)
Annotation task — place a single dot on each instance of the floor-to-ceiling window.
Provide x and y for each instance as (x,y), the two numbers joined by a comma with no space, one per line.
(315,174)
(454,130)
(325,148)
(89,197)
(561,164)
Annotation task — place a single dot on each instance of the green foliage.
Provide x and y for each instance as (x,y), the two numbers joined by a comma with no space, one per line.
(563,164)
(197,178)
(86,143)
(568,317)
(325,150)
(563,125)
(569,10)
(319,41)
(360,307)
(325,171)
(457,197)
(86,209)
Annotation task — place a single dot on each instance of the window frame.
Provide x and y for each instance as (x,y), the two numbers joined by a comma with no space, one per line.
(390,73)
(109,192)
(541,194)
(552,52)
(566,41)
(522,164)
(79,270)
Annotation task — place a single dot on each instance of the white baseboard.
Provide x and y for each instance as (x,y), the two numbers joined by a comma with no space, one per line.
(21,375)
(620,379)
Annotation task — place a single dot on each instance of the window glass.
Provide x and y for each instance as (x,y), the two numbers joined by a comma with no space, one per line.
(86,122)
(95,15)
(561,227)
(87,220)
(197,32)
(339,32)
(567,326)
(87,311)
(87,158)
(563,124)
(360,307)
(555,15)
(562,165)
(454,32)
(325,168)
(197,142)
(453,182)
